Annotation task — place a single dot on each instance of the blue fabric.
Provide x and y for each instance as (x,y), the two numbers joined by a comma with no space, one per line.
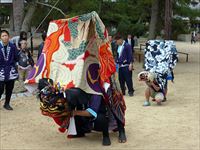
(169,76)
(132,43)
(160,57)
(125,76)
(40,49)
(127,56)
(92,112)
(8,62)
(119,49)
(117,67)
(95,102)
(94,105)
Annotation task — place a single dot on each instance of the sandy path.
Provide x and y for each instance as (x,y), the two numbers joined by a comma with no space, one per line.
(174,125)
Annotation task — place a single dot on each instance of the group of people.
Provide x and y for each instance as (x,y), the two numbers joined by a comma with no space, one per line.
(16,61)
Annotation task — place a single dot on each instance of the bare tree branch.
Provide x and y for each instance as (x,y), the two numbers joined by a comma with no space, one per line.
(48,5)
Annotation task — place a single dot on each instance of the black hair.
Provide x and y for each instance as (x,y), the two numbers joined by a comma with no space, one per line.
(44,35)
(4,31)
(117,37)
(19,43)
(44,82)
(21,36)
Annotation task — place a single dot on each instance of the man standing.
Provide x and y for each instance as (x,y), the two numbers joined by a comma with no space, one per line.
(125,62)
(44,35)
(130,41)
(113,47)
(8,71)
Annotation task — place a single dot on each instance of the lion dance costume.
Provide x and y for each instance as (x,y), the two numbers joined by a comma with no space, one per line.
(76,54)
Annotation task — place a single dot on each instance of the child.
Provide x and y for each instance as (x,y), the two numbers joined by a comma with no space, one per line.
(25,62)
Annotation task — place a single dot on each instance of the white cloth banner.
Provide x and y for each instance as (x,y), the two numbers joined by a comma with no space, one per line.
(72,127)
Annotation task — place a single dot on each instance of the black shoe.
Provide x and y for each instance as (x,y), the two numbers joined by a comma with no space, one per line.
(106,141)
(122,137)
(8,107)
(164,100)
(131,94)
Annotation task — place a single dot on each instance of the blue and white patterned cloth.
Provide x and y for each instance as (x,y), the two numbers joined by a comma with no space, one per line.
(160,58)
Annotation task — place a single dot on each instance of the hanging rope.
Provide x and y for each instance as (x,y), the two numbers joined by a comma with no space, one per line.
(44,19)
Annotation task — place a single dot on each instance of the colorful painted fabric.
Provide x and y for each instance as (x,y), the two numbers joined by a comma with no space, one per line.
(160,58)
(116,101)
(71,51)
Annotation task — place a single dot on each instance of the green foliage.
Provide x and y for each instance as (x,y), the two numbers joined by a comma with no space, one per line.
(179,27)
(4,10)
(4,13)
(184,10)
(127,16)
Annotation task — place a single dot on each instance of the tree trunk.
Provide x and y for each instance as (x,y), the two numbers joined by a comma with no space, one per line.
(28,17)
(11,23)
(154,18)
(18,12)
(168,17)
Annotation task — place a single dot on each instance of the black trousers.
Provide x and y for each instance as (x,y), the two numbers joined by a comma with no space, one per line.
(84,124)
(125,76)
(101,124)
(8,86)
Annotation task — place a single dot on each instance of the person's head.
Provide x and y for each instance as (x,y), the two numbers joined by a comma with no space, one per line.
(23,35)
(142,76)
(23,44)
(129,36)
(44,35)
(4,36)
(146,76)
(119,40)
(110,38)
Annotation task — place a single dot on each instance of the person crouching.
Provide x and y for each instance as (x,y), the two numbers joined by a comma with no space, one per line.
(153,89)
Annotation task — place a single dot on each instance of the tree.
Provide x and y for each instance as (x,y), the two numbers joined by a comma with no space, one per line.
(126,16)
(168,19)
(28,17)
(18,14)
(154,18)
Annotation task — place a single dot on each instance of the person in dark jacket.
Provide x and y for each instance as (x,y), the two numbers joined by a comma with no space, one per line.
(8,70)
(44,35)
(25,64)
(125,62)
(113,47)
(130,40)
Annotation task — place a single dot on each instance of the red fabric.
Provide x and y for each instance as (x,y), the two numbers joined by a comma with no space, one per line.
(58,121)
(67,35)
(107,62)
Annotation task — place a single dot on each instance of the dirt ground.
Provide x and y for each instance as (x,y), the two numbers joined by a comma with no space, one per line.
(172,126)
